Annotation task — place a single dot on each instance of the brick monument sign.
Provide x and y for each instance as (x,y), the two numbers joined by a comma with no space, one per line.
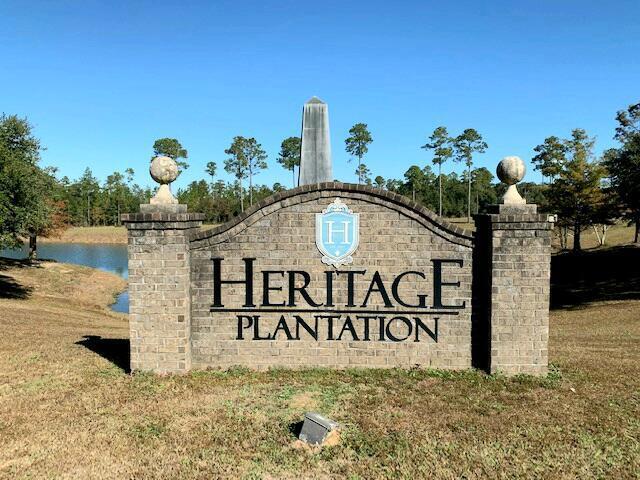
(338,275)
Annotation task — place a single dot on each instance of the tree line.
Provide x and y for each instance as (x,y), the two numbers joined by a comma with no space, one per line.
(584,191)
(589,192)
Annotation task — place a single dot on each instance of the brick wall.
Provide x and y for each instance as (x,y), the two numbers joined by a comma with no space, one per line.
(280,235)
(159,290)
(503,277)
(517,245)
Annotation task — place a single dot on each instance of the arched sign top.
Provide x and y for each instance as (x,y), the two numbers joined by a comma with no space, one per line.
(332,190)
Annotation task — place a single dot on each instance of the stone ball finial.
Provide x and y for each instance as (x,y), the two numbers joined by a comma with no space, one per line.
(163,170)
(510,171)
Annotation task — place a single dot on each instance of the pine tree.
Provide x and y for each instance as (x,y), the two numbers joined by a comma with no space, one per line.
(363,173)
(465,145)
(237,165)
(289,156)
(172,148)
(441,144)
(357,144)
(576,193)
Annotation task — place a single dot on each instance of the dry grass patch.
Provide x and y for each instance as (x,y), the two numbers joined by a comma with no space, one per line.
(90,235)
(112,235)
(462,223)
(68,408)
(618,234)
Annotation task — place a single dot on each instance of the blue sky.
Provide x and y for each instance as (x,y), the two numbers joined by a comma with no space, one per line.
(101,81)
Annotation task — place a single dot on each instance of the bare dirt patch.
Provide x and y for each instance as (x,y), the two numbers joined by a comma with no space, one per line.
(304,401)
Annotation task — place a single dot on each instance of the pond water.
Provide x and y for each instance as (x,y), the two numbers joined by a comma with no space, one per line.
(108,257)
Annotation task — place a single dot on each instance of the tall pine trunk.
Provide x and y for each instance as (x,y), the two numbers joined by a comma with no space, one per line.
(440,182)
(360,172)
(469,195)
(241,196)
(576,238)
(293,172)
(250,188)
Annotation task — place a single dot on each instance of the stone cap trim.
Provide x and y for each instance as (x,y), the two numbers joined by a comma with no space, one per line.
(463,236)
(538,222)
(541,220)
(161,217)
(519,218)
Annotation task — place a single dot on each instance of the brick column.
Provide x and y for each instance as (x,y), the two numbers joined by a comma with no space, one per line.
(514,253)
(159,287)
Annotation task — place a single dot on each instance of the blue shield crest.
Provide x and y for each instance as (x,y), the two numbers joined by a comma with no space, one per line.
(337,233)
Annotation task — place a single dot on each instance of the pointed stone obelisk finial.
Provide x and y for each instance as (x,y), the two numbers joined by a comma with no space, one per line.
(315,161)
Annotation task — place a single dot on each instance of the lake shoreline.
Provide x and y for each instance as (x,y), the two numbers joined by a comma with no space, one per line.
(50,281)
(118,303)
(105,257)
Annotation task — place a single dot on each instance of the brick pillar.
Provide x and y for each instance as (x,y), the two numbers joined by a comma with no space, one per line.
(159,287)
(514,253)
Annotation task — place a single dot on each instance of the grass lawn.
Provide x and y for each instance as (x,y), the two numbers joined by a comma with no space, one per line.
(69,409)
